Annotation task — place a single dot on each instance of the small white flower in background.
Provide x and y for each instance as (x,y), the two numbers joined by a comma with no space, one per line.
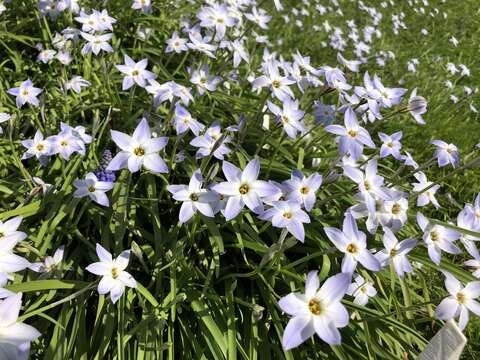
(46,55)
(317,311)
(76,84)
(168,91)
(96,43)
(70,5)
(243,188)
(437,238)
(206,144)
(290,116)
(395,252)
(428,196)
(66,143)
(203,80)
(25,93)
(90,22)
(39,147)
(352,65)
(277,83)
(353,243)
(302,189)
(446,154)
(469,219)
(136,73)
(465,70)
(351,136)
(475,262)
(288,215)
(391,145)
(8,230)
(202,44)
(370,184)
(452,68)
(216,16)
(176,43)
(138,150)
(93,188)
(64,57)
(448,84)
(15,336)
(193,198)
(114,278)
(42,184)
(144,5)
(259,17)
(78,131)
(394,212)
(183,121)
(460,302)
(9,238)
(50,263)
(409,160)
(3,118)
(361,290)
(105,20)
(453,40)
(239,53)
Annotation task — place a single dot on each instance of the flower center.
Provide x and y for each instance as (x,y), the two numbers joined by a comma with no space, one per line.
(139,151)
(363,289)
(285,119)
(315,307)
(396,209)
(352,249)
(393,252)
(63,143)
(276,84)
(25,92)
(304,190)
(135,73)
(390,145)
(243,189)
(40,147)
(91,188)
(449,151)
(287,215)
(193,197)
(434,235)
(461,298)
(352,133)
(115,273)
(366,184)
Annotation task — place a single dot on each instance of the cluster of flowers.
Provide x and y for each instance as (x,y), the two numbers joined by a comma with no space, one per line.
(287,204)
(68,141)
(17,336)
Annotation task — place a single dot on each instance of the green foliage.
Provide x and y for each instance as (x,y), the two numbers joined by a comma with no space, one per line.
(209,289)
